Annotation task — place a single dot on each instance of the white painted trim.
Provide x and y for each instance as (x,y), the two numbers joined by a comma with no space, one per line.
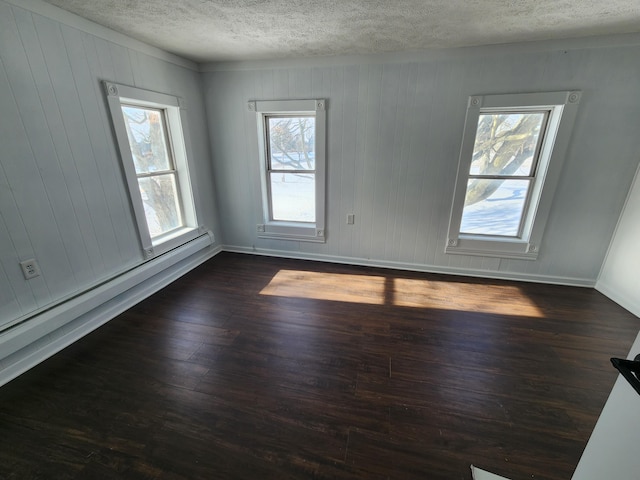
(431,55)
(415,267)
(276,231)
(32,342)
(562,108)
(72,20)
(291,230)
(119,95)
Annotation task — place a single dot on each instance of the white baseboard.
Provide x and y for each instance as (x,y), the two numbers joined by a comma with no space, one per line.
(523,277)
(26,345)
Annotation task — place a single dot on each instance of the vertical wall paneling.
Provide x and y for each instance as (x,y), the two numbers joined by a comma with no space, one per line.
(27,212)
(8,301)
(394,132)
(450,127)
(62,177)
(322,79)
(427,159)
(370,160)
(12,232)
(400,125)
(63,199)
(93,118)
(102,51)
(90,194)
(249,153)
(239,161)
(133,60)
(348,109)
(121,59)
(387,130)
(336,194)
(405,218)
(359,160)
(101,66)
(217,136)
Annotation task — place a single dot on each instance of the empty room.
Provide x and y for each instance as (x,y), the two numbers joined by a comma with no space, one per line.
(286,239)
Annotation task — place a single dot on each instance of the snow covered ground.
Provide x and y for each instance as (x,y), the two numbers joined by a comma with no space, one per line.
(498,214)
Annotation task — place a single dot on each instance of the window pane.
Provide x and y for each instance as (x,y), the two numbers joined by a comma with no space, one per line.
(506,143)
(292,143)
(147,139)
(293,197)
(499,210)
(161,207)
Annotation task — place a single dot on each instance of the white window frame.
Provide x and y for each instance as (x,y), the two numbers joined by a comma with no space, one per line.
(288,230)
(562,108)
(179,145)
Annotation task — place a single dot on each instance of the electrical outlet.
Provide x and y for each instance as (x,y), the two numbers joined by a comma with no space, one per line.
(30,269)
(351,219)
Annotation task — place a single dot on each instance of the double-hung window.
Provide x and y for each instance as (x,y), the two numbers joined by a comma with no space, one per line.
(512,152)
(291,136)
(150,136)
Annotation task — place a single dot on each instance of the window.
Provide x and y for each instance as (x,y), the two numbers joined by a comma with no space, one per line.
(511,157)
(292,165)
(151,140)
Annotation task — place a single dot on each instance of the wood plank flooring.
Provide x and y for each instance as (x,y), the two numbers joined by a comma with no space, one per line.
(264,368)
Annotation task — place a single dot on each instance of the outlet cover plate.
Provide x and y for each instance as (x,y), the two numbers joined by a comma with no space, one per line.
(30,269)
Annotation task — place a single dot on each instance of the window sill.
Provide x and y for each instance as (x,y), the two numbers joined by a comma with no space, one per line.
(291,231)
(492,247)
(171,240)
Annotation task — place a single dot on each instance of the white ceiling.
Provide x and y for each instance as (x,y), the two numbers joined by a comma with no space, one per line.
(220,30)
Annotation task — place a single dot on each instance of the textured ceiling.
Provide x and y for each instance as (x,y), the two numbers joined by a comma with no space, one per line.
(218,30)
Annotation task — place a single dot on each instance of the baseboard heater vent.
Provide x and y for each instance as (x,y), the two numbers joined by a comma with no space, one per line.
(31,341)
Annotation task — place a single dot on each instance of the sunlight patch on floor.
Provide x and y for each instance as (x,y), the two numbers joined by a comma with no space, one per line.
(335,287)
(469,297)
(402,292)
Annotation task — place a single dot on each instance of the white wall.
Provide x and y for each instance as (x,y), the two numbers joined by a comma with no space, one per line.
(620,275)
(62,192)
(394,131)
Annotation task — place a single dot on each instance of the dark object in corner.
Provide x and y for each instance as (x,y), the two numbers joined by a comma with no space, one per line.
(630,369)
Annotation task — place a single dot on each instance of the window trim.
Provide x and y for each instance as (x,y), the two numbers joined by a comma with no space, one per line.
(290,230)
(178,142)
(553,150)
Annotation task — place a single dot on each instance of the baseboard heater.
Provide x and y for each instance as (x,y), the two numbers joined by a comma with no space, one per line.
(33,340)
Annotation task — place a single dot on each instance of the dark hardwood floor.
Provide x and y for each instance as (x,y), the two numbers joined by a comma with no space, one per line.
(264,368)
